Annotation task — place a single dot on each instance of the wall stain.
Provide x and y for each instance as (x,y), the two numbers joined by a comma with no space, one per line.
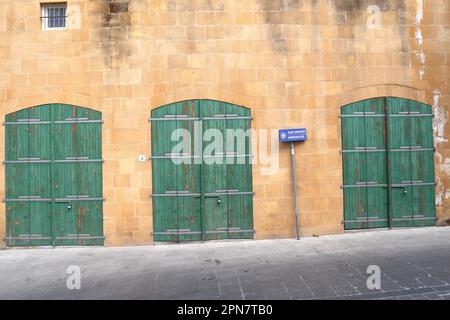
(115,32)
(351,10)
(271,10)
(361,5)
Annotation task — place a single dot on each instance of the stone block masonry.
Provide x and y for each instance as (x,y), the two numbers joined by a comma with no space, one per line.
(292,62)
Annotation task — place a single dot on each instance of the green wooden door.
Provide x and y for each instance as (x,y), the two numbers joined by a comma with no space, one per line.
(388,164)
(203,191)
(54,176)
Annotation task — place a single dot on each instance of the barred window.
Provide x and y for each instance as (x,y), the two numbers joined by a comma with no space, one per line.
(53,15)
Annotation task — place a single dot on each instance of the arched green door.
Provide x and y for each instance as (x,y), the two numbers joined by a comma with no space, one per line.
(388,164)
(200,193)
(54,176)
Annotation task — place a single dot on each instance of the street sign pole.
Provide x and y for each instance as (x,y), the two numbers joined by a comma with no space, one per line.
(294,182)
(293,135)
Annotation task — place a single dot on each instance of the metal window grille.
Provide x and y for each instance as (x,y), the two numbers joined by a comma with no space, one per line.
(54,16)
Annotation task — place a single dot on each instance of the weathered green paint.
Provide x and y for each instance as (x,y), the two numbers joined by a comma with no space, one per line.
(364,127)
(386,182)
(410,126)
(204,213)
(50,177)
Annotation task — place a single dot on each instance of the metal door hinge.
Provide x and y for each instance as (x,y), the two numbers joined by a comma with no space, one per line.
(26,122)
(77,120)
(177,232)
(228,117)
(79,237)
(177,194)
(174,117)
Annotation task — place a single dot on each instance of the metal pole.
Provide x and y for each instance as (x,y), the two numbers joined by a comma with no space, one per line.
(294,180)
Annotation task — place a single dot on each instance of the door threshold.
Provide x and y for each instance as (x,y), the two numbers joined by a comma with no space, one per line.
(28,247)
(386,229)
(366,230)
(48,247)
(162,243)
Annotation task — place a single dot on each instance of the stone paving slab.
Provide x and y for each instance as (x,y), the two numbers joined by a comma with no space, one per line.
(414,264)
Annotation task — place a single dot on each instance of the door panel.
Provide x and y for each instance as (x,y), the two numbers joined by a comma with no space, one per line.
(18,223)
(214,171)
(400,162)
(165,176)
(354,163)
(412,163)
(17,180)
(240,224)
(364,163)
(188,177)
(424,206)
(376,161)
(89,215)
(176,178)
(27,166)
(239,174)
(422,164)
(77,182)
(65,176)
(39,147)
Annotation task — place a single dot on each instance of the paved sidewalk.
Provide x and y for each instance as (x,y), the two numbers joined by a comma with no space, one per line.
(415,264)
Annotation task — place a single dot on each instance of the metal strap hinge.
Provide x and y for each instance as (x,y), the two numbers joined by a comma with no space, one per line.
(28,237)
(25,122)
(177,232)
(177,194)
(77,120)
(230,230)
(170,117)
(63,200)
(39,121)
(39,160)
(228,117)
(80,237)
(410,114)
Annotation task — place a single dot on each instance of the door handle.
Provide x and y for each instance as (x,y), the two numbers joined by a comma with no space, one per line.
(219,200)
(404,189)
(395,187)
(69,204)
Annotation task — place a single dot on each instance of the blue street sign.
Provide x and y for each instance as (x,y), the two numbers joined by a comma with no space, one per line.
(292,135)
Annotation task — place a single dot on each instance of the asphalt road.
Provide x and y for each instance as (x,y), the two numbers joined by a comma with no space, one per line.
(413,264)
